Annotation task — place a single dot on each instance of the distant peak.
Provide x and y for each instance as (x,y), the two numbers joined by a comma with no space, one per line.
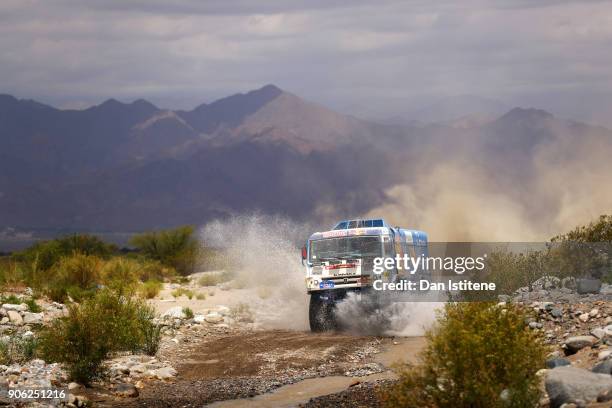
(527,113)
(7,98)
(268,91)
(139,105)
(111,102)
(144,103)
(270,88)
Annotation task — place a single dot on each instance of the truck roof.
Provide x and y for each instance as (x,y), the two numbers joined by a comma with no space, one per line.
(366,227)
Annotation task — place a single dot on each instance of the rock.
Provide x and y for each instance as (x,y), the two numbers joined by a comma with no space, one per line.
(223,310)
(603,355)
(165,373)
(557,362)
(594,312)
(213,318)
(174,312)
(505,395)
(33,318)
(27,335)
(605,367)
(15,317)
(605,289)
(608,330)
(126,390)
(199,318)
(18,308)
(585,286)
(584,317)
(570,384)
(75,387)
(573,344)
(605,396)
(535,325)
(557,313)
(598,332)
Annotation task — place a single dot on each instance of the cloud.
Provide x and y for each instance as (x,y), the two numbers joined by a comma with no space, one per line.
(387,55)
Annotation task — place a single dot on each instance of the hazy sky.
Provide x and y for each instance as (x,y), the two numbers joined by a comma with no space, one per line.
(377,58)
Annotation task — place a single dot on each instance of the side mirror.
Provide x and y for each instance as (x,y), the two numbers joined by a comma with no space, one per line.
(304,254)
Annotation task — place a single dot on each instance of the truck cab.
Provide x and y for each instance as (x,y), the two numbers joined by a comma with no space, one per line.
(341,260)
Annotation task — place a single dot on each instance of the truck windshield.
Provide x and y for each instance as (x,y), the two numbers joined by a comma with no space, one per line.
(345,247)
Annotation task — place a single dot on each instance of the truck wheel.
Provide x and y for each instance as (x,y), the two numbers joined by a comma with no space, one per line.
(321,314)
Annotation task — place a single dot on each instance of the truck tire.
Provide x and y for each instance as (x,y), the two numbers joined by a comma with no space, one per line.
(321,314)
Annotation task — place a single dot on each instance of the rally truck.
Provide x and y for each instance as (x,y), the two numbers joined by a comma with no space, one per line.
(341,261)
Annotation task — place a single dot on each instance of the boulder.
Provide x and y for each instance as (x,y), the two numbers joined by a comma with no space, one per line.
(585,286)
(570,384)
(174,312)
(199,318)
(223,310)
(18,308)
(75,387)
(598,332)
(557,362)
(557,313)
(605,396)
(15,317)
(213,318)
(165,373)
(576,343)
(126,390)
(33,318)
(605,367)
(604,355)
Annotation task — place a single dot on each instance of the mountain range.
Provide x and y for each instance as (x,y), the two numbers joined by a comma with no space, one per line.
(133,166)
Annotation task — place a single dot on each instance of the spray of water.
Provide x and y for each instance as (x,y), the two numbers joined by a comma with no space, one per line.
(264,254)
(363,315)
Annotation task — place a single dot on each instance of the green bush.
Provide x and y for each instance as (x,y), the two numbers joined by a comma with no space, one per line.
(188,313)
(12,274)
(121,275)
(92,330)
(599,231)
(11,299)
(32,305)
(176,248)
(213,278)
(155,270)
(150,289)
(76,276)
(151,336)
(79,270)
(47,254)
(476,353)
(17,350)
(182,291)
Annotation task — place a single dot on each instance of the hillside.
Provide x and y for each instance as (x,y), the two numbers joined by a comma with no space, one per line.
(131,166)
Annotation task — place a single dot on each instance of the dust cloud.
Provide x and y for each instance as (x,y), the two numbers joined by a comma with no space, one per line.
(563,183)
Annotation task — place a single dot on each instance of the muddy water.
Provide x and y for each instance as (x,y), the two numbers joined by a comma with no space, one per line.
(398,350)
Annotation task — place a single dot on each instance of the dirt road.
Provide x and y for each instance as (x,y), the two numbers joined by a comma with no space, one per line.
(271,369)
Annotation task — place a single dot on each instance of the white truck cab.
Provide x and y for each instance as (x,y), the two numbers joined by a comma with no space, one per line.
(341,260)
